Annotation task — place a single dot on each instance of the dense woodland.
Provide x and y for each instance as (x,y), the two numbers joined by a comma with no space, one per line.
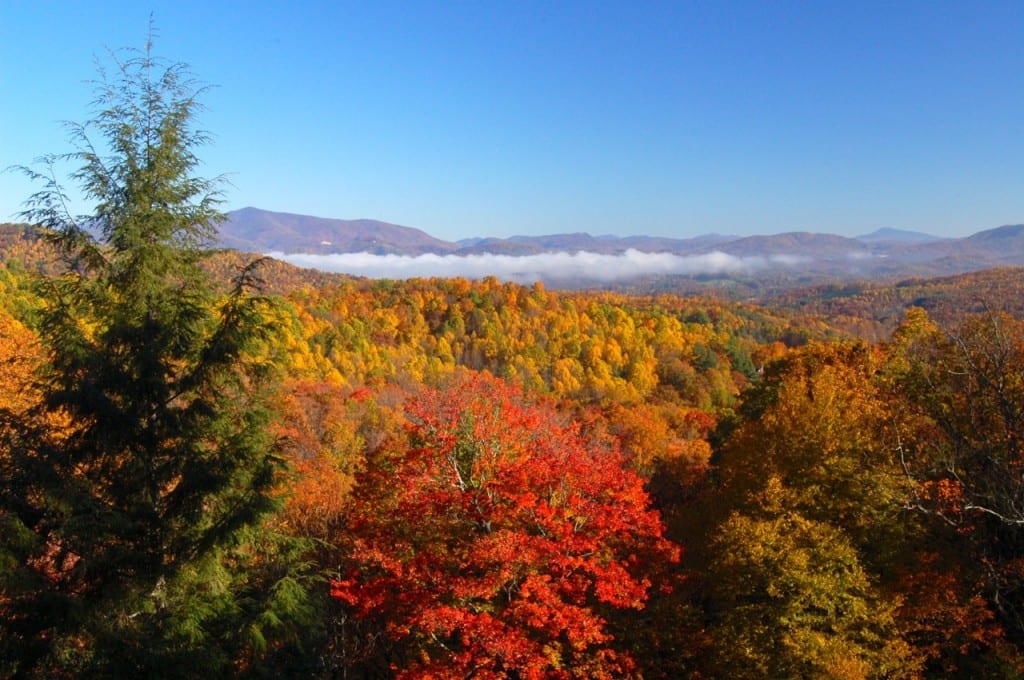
(216,465)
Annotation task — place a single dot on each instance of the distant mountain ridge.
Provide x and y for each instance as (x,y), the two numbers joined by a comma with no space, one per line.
(890,235)
(252,229)
(1000,239)
(886,252)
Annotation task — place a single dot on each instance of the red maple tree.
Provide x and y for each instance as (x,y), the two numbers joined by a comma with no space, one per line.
(496,543)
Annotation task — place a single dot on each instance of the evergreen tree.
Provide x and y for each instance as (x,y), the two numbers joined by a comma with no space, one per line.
(129,499)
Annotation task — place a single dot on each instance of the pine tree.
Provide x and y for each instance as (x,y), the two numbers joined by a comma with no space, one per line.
(126,536)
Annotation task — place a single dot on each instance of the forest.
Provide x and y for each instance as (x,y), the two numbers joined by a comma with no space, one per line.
(217,465)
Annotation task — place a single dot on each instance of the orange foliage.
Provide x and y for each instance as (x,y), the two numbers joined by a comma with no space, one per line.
(20,355)
(328,431)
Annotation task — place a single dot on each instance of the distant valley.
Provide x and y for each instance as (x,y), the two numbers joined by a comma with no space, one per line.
(803,257)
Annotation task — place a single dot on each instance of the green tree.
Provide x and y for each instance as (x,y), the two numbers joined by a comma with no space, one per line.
(810,525)
(128,546)
(792,600)
(818,422)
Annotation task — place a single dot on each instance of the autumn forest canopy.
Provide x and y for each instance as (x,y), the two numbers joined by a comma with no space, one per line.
(218,465)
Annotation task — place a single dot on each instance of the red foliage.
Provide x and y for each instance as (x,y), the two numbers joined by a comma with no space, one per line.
(945,617)
(493,544)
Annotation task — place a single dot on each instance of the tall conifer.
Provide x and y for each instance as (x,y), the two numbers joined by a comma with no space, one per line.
(128,499)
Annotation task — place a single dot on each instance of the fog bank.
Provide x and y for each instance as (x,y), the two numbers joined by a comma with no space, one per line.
(539,267)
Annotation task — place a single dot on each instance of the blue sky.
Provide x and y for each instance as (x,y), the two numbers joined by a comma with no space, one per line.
(484,118)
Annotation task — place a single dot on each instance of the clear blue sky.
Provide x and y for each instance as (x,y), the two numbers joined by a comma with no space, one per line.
(483,118)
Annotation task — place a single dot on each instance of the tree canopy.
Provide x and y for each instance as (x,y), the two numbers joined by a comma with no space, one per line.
(495,543)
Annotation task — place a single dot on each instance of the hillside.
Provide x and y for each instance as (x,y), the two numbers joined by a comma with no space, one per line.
(872,310)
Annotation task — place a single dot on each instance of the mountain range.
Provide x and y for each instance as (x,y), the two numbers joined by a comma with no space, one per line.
(886,252)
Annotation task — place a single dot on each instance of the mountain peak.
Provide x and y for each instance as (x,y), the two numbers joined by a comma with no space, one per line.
(258,230)
(890,235)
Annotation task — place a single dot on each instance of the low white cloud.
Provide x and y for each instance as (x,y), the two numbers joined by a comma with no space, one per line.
(788,260)
(539,267)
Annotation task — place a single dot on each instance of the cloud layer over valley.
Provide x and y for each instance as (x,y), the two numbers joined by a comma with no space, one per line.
(540,267)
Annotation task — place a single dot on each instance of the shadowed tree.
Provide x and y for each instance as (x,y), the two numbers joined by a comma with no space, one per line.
(130,537)
(962,443)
